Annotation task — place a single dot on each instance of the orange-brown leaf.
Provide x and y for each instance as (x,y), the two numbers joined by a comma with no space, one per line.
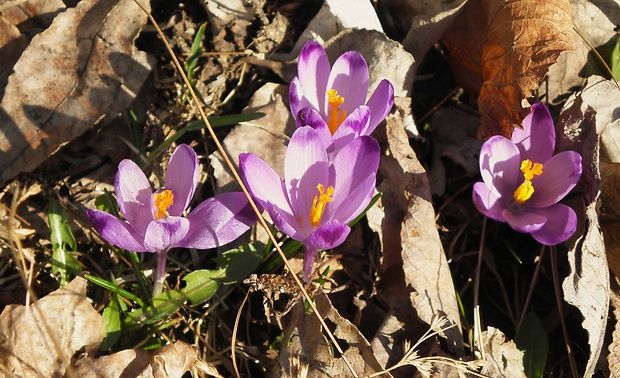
(508,46)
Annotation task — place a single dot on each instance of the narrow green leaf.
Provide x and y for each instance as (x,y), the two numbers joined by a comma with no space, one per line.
(201,286)
(114,288)
(240,263)
(532,340)
(614,58)
(112,322)
(63,263)
(194,125)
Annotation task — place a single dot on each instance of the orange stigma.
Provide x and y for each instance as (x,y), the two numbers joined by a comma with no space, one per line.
(526,189)
(336,116)
(319,203)
(162,201)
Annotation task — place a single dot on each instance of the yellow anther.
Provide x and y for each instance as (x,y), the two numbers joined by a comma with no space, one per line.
(336,116)
(162,201)
(530,169)
(318,204)
(526,189)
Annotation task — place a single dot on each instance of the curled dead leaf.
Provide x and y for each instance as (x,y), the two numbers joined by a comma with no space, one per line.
(500,51)
(38,341)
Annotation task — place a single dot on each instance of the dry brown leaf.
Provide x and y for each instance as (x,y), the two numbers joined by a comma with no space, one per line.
(82,68)
(38,341)
(335,16)
(429,21)
(595,21)
(266,137)
(613,359)
(507,47)
(171,361)
(306,349)
(502,356)
(33,16)
(414,272)
(587,285)
(603,96)
(12,43)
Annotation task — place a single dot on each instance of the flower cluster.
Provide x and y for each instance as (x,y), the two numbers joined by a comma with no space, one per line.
(331,161)
(330,172)
(523,180)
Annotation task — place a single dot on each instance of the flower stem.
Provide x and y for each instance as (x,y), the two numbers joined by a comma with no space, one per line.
(309,255)
(160,272)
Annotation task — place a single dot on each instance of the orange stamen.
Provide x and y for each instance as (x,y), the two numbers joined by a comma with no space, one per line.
(336,116)
(526,189)
(162,201)
(318,204)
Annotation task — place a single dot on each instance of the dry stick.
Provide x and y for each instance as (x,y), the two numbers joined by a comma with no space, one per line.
(477,285)
(231,166)
(532,285)
(234,334)
(556,286)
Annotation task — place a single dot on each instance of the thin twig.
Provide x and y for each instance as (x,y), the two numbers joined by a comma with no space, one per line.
(556,286)
(532,286)
(231,166)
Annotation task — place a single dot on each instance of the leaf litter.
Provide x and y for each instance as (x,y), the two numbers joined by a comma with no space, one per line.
(414,251)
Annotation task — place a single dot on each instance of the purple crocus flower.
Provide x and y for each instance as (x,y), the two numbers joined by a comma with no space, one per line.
(318,196)
(338,92)
(154,221)
(524,180)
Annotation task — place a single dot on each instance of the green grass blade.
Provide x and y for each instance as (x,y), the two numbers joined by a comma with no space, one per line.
(532,340)
(64,264)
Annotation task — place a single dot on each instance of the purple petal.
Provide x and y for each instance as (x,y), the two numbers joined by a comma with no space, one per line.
(349,77)
(488,203)
(560,175)
(286,223)
(165,233)
(359,198)
(310,117)
(356,122)
(354,164)
(380,104)
(263,182)
(116,231)
(561,224)
(524,220)
(302,194)
(328,236)
(134,195)
(297,100)
(218,221)
(304,150)
(537,139)
(313,73)
(182,177)
(500,163)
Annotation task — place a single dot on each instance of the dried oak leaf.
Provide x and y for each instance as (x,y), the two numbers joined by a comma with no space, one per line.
(587,287)
(83,68)
(613,359)
(171,361)
(414,271)
(307,353)
(503,357)
(500,50)
(39,340)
